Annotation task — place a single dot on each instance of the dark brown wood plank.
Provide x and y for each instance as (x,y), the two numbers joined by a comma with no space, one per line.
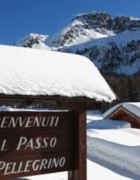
(35,121)
(27,143)
(20,166)
(36,98)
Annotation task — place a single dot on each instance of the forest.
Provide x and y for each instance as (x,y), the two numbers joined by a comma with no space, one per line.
(127,88)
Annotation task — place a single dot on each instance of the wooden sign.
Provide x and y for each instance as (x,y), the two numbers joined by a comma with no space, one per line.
(20,166)
(34,143)
(30,121)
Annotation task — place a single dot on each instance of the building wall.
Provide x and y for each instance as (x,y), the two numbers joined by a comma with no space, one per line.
(128,117)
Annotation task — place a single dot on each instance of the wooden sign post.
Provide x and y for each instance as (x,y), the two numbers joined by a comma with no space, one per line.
(34,143)
(37,142)
(79,171)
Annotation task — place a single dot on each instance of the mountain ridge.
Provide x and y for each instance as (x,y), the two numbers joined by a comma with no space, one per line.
(112,44)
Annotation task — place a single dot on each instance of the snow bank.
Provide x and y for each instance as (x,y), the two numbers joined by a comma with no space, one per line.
(120,156)
(107,124)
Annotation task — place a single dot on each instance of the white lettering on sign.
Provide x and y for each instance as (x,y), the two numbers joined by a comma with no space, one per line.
(37,143)
(32,165)
(3,146)
(31,121)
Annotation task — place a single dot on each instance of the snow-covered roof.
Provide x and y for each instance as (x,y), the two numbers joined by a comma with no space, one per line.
(133,107)
(25,71)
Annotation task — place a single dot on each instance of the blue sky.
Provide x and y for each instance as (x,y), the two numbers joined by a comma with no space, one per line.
(19,18)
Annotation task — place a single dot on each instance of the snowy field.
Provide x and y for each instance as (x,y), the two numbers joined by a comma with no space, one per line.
(113,151)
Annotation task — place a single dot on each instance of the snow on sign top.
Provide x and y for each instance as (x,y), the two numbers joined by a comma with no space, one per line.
(25,71)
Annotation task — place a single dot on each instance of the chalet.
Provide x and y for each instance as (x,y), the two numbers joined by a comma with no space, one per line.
(127,111)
